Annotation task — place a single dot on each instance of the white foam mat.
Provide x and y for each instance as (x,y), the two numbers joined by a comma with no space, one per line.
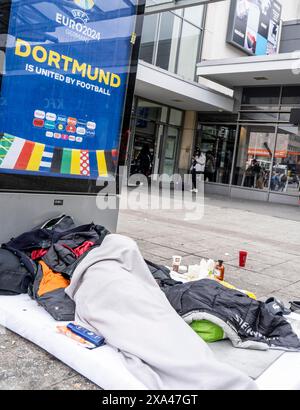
(103,366)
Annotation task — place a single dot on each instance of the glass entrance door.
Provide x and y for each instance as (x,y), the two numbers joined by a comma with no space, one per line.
(253,163)
(156,134)
(217,142)
(169,156)
(144,147)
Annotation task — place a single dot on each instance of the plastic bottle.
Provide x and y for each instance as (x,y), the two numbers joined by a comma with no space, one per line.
(220,271)
(210,267)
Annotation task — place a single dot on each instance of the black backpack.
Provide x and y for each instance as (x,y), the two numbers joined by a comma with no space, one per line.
(15,278)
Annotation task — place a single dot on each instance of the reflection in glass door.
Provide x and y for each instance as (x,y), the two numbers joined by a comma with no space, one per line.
(143,149)
(286,165)
(170,151)
(217,142)
(253,165)
(157,155)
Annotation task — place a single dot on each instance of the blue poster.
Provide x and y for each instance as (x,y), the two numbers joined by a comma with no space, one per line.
(64,86)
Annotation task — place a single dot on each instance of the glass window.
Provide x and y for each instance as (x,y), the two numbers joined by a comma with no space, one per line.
(194,15)
(286,168)
(189,49)
(148,38)
(254,156)
(259,116)
(218,143)
(261,95)
(168,41)
(216,117)
(149,110)
(176,117)
(290,96)
(171,40)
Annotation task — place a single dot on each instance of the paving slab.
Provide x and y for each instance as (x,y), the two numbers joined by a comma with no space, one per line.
(24,366)
(289,271)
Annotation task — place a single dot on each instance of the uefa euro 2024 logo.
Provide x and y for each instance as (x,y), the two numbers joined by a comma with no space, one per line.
(80,14)
(85,4)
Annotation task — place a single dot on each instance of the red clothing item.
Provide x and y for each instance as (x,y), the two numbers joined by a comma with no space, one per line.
(80,250)
(38,254)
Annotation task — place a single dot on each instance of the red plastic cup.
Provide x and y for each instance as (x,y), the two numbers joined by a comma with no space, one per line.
(243,258)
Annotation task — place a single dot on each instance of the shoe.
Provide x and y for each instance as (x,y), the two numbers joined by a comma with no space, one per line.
(192,190)
(195,190)
(276,307)
(295,306)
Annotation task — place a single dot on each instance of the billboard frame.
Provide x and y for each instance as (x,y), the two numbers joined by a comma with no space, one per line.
(231,28)
(10,183)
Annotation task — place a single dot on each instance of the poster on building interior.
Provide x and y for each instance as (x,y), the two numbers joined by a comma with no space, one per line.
(254,26)
(64,87)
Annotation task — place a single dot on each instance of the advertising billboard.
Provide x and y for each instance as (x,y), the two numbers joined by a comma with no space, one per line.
(254,26)
(64,88)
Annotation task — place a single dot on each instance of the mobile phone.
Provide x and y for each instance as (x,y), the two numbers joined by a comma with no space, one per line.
(86,334)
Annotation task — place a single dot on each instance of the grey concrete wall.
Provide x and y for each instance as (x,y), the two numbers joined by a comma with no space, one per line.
(290,37)
(21,212)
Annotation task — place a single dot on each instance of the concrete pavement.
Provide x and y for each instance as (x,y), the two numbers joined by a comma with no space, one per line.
(270,233)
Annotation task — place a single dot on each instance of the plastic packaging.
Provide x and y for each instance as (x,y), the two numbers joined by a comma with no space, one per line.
(183,269)
(211,267)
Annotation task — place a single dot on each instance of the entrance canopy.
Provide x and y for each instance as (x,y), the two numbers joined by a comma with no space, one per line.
(253,71)
(156,84)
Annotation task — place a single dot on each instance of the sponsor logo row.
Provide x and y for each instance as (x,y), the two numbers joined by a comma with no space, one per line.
(59,126)
(64,120)
(65,137)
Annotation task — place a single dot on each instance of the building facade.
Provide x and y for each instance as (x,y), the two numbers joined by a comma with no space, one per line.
(222,77)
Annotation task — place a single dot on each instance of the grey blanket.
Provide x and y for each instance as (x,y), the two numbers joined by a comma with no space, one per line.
(117,297)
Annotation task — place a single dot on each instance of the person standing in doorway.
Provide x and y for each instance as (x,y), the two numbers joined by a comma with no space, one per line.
(144,161)
(197,168)
(209,174)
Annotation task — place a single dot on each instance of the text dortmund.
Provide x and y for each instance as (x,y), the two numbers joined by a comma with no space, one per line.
(65,63)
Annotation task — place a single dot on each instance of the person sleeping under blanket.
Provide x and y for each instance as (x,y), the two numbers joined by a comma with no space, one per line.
(116,296)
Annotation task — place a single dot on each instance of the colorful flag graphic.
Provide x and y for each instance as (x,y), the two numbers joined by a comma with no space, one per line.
(47,158)
(5,144)
(20,154)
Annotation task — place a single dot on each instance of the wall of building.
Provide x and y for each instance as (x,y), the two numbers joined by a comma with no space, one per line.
(290,37)
(290,9)
(187,141)
(214,43)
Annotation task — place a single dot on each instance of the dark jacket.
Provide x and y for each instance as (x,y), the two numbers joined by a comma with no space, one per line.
(58,237)
(47,278)
(245,321)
